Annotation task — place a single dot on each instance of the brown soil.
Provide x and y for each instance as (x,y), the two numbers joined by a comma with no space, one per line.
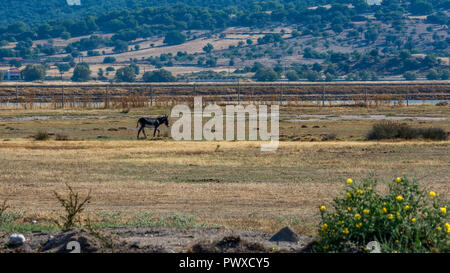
(154,240)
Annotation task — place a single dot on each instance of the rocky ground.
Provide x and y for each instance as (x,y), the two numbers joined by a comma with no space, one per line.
(157,240)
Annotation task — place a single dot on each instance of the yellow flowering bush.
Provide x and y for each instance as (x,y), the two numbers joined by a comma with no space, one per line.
(405,219)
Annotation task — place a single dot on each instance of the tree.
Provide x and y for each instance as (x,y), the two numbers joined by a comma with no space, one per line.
(421,7)
(433,75)
(126,74)
(405,54)
(120,46)
(161,75)
(266,74)
(174,38)
(63,67)
(15,63)
(292,75)
(81,73)
(34,72)
(312,75)
(410,75)
(208,48)
(109,60)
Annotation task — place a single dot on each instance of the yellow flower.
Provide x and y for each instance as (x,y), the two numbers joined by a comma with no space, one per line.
(439,228)
(447,225)
(325,247)
(340,223)
(366,211)
(390,216)
(359,225)
(349,181)
(349,209)
(322,208)
(384,210)
(448,230)
(407,207)
(444,210)
(398,213)
(398,180)
(358,216)
(349,195)
(399,198)
(432,194)
(324,226)
(359,192)
(345,231)
(413,220)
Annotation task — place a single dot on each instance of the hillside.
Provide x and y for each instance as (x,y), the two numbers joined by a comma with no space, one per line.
(311,40)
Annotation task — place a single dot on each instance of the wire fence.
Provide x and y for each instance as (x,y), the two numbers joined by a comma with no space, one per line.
(136,96)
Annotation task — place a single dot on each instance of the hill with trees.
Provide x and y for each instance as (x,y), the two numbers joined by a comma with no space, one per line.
(318,40)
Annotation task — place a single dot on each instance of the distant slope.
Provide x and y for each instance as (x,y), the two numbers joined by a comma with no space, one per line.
(38,11)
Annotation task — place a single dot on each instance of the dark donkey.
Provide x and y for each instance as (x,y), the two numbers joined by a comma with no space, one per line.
(152,122)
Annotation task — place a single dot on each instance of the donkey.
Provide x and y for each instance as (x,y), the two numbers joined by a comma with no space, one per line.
(152,122)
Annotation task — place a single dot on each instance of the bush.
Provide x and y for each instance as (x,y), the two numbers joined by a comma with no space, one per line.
(81,73)
(161,75)
(392,130)
(61,137)
(266,74)
(41,135)
(73,205)
(174,38)
(34,72)
(405,219)
(109,60)
(126,74)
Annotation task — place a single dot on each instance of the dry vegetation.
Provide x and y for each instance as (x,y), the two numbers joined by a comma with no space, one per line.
(235,185)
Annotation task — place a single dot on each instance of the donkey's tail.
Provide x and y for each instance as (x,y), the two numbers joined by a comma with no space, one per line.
(137,125)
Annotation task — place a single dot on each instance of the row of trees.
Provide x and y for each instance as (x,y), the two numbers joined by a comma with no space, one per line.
(82,73)
(164,17)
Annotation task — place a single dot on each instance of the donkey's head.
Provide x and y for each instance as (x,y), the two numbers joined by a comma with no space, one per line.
(164,120)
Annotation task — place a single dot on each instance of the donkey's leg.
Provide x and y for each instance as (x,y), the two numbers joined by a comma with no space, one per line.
(154,131)
(139,132)
(143,131)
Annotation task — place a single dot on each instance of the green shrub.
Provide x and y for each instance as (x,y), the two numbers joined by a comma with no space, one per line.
(41,135)
(405,219)
(433,133)
(392,130)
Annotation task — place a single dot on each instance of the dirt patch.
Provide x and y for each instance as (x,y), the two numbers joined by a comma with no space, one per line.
(230,244)
(153,240)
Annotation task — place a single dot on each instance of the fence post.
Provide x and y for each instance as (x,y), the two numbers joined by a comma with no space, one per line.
(239,91)
(281,93)
(151,95)
(407,95)
(17,96)
(323,95)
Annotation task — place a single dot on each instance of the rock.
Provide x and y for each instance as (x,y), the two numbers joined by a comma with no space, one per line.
(442,103)
(286,234)
(16,239)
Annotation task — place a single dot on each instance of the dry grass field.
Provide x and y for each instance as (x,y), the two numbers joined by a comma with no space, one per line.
(227,184)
